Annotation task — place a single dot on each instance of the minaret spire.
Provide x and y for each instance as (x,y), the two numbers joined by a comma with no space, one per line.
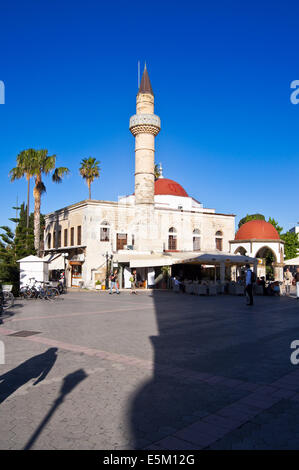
(145,85)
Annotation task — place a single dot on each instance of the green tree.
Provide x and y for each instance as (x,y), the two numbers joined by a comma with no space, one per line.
(89,170)
(291,246)
(249,217)
(275,224)
(15,246)
(24,237)
(9,272)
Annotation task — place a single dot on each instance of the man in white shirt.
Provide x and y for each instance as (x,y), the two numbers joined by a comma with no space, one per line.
(249,284)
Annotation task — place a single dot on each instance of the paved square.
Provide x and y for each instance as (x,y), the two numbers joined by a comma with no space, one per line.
(160,371)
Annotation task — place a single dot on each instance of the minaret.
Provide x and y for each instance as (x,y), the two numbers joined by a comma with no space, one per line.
(145,125)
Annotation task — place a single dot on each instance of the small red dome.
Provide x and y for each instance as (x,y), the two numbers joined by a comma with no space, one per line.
(257,230)
(169,187)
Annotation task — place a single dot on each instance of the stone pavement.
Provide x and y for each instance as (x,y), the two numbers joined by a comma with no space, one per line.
(160,371)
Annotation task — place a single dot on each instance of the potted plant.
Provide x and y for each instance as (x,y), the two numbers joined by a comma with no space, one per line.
(98,285)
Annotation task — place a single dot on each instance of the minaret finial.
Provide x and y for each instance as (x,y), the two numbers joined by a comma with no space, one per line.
(145,85)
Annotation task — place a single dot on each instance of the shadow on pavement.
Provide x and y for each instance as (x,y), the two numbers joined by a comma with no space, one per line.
(69,383)
(37,368)
(226,340)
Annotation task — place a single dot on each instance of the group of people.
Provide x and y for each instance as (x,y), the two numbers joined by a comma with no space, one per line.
(289,280)
(114,282)
(273,288)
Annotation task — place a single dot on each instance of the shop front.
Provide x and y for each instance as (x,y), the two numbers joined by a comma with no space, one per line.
(76,273)
(146,277)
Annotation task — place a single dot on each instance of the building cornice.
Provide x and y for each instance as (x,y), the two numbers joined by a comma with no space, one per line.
(257,240)
(86,203)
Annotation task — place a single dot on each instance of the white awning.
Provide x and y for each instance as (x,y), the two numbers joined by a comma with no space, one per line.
(150,262)
(143,260)
(56,262)
(292,262)
(168,259)
(217,258)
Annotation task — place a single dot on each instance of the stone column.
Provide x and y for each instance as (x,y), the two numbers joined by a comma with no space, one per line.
(278,271)
(222,276)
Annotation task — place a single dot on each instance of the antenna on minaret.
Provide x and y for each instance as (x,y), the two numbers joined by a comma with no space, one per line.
(161,171)
(138,74)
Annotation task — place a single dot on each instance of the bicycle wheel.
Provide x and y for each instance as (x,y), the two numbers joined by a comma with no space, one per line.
(56,291)
(41,294)
(50,293)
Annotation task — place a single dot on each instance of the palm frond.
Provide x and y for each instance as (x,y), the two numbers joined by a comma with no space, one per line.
(40,187)
(59,173)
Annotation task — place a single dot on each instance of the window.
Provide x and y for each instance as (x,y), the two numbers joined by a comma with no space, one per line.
(72,236)
(196,240)
(104,232)
(219,240)
(65,237)
(49,241)
(59,238)
(54,239)
(79,235)
(172,239)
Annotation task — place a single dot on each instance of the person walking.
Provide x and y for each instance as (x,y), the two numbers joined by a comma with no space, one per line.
(249,284)
(114,280)
(297,283)
(133,280)
(288,279)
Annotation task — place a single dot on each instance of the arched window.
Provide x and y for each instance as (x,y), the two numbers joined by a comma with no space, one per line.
(49,241)
(196,239)
(104,231)
(172,239)
(219,240)
(240,251)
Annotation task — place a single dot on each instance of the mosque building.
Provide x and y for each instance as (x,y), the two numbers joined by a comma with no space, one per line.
(159,225)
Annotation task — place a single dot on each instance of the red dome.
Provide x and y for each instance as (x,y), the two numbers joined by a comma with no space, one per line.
(169,187)
(257,230)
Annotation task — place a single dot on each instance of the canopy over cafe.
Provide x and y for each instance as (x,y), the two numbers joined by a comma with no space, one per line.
(208,266)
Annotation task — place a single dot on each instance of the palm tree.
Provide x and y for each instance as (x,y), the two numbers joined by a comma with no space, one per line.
(24,170)
(43,164)
(89,170)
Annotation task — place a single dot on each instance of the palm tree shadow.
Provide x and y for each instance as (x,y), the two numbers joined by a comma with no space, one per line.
(69,383)
(37,367)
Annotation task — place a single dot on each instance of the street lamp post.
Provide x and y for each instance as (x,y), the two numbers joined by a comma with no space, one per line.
(106,282)
(108,258)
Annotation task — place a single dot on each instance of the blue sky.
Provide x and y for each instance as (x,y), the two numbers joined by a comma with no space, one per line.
(221,74)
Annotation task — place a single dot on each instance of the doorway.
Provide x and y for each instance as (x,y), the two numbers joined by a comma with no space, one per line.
(76,273)
(121,241)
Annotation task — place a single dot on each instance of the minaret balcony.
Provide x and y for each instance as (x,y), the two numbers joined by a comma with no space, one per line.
(145,123)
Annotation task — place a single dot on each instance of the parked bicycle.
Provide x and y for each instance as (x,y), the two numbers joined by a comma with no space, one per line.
(39,290)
